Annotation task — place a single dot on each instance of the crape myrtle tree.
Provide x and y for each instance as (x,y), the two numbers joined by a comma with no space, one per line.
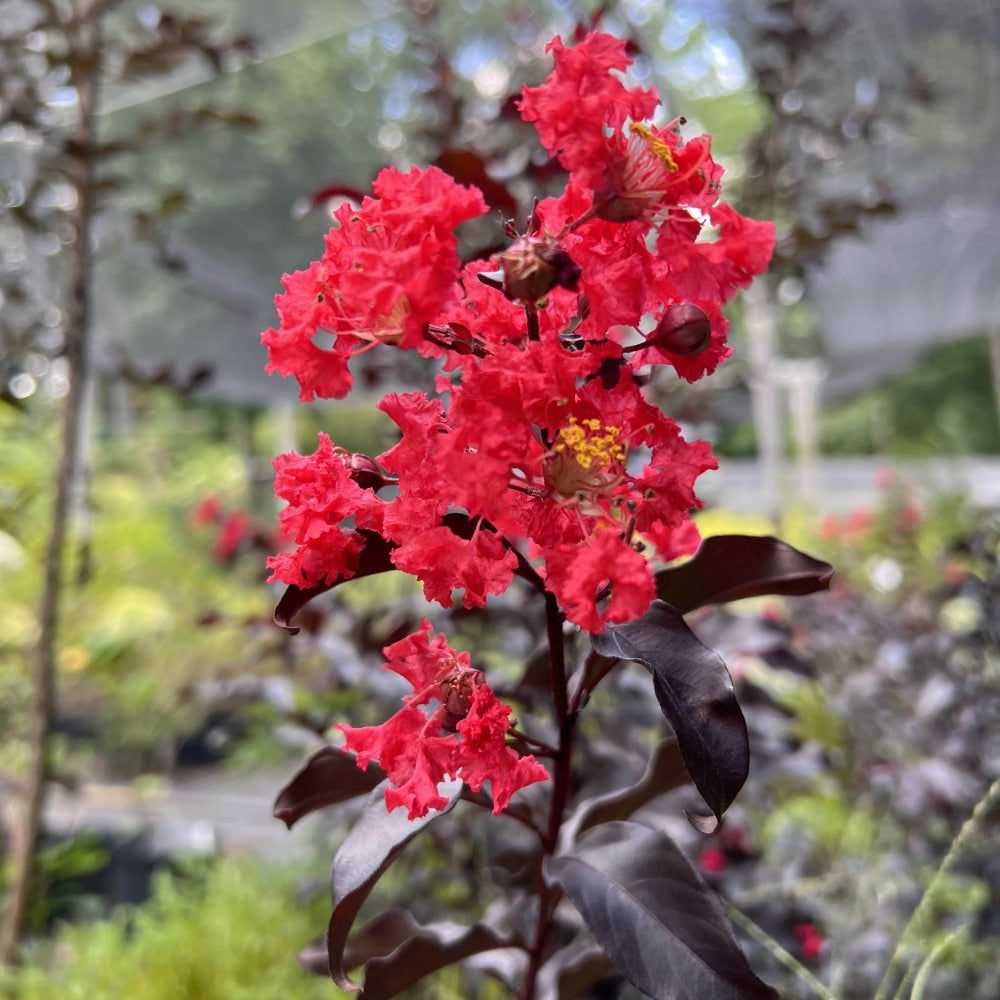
(534,462)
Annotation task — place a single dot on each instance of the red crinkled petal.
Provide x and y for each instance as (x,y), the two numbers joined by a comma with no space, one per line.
(426,199)
(673,542)
(444,562)
(420,419)
(715,269)
(423,660)
(326,558)
(575,574)
(414,761)
(320,495)
(483,754)
(579,98)
(419,792)
(303,309)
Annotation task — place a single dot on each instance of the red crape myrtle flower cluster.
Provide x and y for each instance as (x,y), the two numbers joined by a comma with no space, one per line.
(538,434)
(463,737)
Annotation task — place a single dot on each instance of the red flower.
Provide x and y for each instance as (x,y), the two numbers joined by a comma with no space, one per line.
(464,736)
(389,269)
(235,530)
(206,510)
(533,457)
(811,941)
(713,860)
(444,562)
(539,439)
(606,567)
(580,98)
(303,309)
(320,494)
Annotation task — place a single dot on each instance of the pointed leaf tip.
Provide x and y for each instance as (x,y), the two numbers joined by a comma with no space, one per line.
(696,696)
(374,557)
(732,567)
(329,776)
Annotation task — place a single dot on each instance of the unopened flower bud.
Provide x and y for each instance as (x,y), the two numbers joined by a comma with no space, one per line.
(533,267)
(457,690)
(365,472)
(683,329)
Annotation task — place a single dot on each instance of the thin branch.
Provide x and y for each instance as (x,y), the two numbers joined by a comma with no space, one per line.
(561,780)
(543,747)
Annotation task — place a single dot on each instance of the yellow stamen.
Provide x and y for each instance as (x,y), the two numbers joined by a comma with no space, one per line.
(587,446)
(656,145)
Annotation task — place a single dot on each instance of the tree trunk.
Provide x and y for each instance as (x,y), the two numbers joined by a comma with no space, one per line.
(82,38)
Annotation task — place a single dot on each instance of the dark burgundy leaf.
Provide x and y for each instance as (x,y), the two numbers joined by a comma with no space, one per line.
(374,558)
(654,916)
(313,958)
(695,693)
(328,777)
(397,952)
(731,567)
(572,972)
(468,167)
(664,772)
(375,841)
(331,191)
(506,965)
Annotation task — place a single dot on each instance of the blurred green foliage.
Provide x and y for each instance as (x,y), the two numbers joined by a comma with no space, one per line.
(141,579)
(227,933)
(943,405)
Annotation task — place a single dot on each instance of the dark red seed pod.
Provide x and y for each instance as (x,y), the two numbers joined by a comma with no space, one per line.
(683,329)
(366,473)
(532,267)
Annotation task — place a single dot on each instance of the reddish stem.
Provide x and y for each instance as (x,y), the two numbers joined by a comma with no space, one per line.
(561,780)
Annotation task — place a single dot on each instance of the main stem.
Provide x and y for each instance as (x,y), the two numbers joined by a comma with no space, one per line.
(561,779)
(84,42)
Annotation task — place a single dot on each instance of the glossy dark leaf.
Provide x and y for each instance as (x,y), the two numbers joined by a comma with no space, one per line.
(375,841)
(374,558)
(654,916)
(572,972)
(397,952)
(664,772)
(731,567)
(696,696)
(505,965)
(328,777)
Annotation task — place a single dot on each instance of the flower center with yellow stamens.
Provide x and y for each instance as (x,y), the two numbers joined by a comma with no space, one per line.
(636,181)
(378,329)
(659,148)
(581,439)
(586,459)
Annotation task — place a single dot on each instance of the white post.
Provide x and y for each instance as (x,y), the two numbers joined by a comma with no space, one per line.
(760,326)
(803,378)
